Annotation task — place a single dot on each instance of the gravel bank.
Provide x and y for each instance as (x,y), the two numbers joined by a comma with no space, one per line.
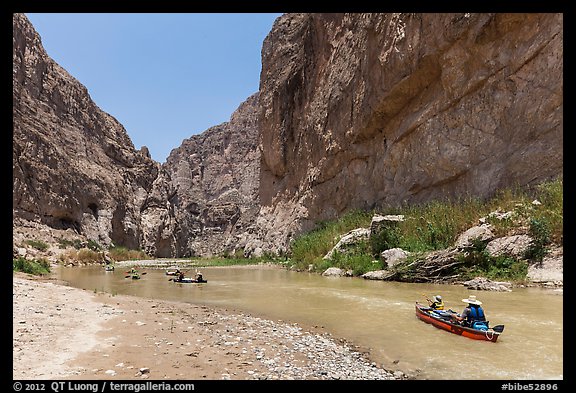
(67,333)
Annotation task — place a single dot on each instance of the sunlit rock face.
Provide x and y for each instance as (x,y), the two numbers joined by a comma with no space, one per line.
(76,169)
(375,110)
(74,166)
(353,111)
(206,197)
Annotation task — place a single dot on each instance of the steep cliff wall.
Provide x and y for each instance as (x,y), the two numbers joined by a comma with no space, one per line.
(373,110)
(354,111)
(75,168)
(73,165)
(206,197)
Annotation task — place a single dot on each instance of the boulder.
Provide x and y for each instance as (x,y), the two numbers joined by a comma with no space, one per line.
(484,284)
(353,237)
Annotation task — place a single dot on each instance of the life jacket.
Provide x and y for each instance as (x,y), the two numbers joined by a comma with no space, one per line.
(437,305)
(476,314)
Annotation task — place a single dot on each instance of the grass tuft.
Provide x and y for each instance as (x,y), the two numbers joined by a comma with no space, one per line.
(537,211)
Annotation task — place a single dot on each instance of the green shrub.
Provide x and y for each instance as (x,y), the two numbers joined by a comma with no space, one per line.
(498,268)
(519,201)
(388,237)
(124,254)
(476,256)
(36,267)
(478,262)
(541,238)
(93,245)
(310,247)
(37,244)
(436,225)
(64,243)
(359,263)
(551,195)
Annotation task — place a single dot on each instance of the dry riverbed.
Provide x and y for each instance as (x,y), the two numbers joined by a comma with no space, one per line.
(61,332)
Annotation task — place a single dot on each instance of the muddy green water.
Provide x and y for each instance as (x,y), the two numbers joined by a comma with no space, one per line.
(374,314)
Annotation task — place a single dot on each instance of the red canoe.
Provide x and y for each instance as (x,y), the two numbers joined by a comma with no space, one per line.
(425,314)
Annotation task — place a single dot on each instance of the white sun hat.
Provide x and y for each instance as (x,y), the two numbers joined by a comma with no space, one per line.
(472,300)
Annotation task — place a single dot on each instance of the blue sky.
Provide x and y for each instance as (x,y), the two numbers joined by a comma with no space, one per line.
(164,77)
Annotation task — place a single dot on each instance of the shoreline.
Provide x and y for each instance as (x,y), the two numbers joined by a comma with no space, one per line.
(548,276)
(60,332)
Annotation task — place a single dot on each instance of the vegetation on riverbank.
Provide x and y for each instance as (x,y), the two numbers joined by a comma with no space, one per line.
(36,267)
(537,212)
(207,262)
(73,252)
(125,254)
(231,261)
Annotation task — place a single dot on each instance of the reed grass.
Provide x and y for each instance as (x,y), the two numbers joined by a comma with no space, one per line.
(125,254)
(436,225)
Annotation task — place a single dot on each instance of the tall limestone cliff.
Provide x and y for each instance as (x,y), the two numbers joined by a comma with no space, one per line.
(353,111)
(206,197)
(74,166)
(374,110)
(75,170)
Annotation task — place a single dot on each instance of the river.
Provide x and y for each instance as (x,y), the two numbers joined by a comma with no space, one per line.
(373,314)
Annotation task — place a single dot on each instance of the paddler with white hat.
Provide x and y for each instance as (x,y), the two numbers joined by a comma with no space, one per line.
(472,312)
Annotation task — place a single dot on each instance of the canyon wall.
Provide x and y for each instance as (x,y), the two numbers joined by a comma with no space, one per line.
(377,110)
(354,111)
(76,173)
(74,167)
(206,197)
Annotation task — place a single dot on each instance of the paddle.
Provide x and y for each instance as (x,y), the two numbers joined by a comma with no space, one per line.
(426,297)
(498,328)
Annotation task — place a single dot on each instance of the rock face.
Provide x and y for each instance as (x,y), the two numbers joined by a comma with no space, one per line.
(206,196)
(74,166)
(354,111)
(371,110)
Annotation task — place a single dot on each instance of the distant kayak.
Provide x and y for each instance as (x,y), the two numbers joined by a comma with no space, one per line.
(134,274)
(173,271)
(188,280)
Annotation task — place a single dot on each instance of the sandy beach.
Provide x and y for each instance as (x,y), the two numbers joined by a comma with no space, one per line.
(61,332)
